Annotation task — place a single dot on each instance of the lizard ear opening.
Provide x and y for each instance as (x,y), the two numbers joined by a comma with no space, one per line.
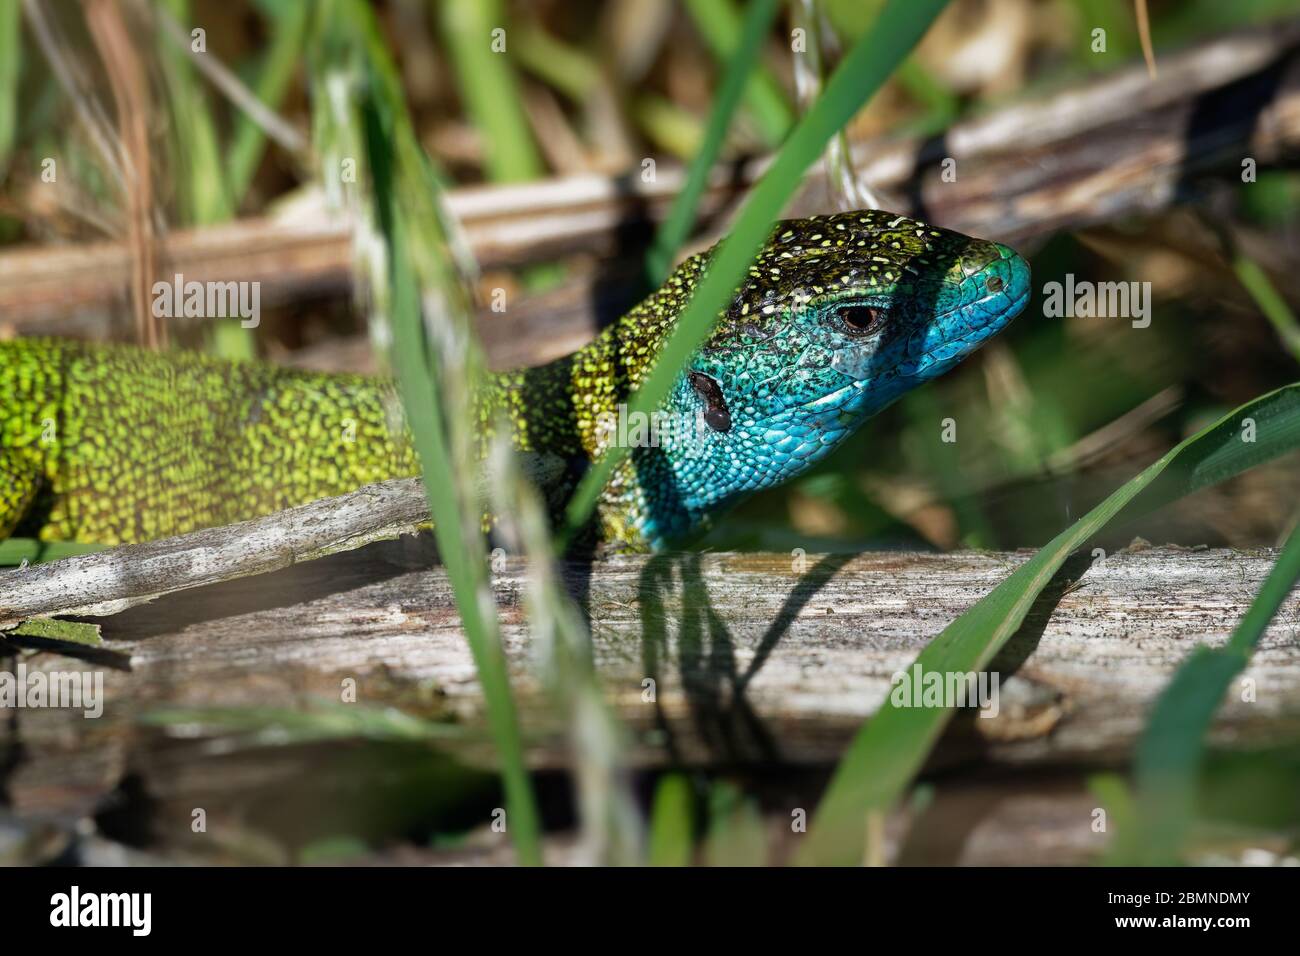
(716,414)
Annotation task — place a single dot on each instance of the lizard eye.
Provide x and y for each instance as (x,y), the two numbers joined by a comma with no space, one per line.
(860,319)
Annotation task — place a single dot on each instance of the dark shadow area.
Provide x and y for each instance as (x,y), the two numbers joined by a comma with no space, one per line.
(297,584)
(932,151)
(940,834)
(1229,114)
(299,794)
(656,581)
(11,747)
(1025,640)
(576,571)
(711,681)
(616,287)
(127,815)
(102,656)
(817,577)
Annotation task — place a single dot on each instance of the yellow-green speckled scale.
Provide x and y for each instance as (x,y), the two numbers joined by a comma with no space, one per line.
(112,444)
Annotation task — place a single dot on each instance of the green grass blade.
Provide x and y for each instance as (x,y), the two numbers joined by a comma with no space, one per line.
(1113,795)
(610,821)
(736,836)
(414,367)
(850,17)
(199,169)
(672,822)
(249,140)
(564,66)
(718,23)
(360,114)
(571,71)
(675,229)
(1172,749)
(668,126)
(489,88)
(1270,302)
(14,551)
(11,65)
(888,752)
(862,72)
(475,33)
(203,188)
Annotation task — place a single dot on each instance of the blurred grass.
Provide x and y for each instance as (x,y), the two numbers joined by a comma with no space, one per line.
(609,816)
(491,94)
(352,61)
(274,75)
(1256,281)
(204,198)
(1119,21)
(851,18)
(569,69)
(744,56)
(888,752)
(735,836)
(10,73)
(14,551)
(672,822)
(720,24)
(489,88)
(578,76)
(199,167)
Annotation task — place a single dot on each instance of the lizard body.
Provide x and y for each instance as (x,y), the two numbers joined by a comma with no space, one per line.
(838,317)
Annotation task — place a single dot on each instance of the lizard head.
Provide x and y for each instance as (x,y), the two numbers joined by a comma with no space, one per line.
(838,317)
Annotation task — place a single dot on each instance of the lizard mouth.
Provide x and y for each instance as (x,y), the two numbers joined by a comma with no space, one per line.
(716,414)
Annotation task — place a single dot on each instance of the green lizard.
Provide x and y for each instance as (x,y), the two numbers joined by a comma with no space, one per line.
(838,317)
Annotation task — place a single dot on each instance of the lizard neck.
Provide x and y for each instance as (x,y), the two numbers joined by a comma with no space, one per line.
(575,408)
(564,406)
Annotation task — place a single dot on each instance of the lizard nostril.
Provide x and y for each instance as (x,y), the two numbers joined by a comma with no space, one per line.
(994,284)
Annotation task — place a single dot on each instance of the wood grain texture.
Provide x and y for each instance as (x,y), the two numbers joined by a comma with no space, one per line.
(758,660)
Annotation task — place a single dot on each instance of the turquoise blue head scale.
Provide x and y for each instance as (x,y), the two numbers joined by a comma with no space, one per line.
(838,317)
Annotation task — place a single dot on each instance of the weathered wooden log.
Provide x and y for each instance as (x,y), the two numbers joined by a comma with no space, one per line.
(108,581)
(756,660)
